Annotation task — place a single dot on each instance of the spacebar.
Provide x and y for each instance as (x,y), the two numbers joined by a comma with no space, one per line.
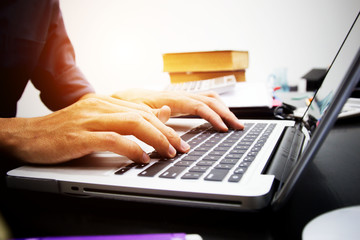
(154,169)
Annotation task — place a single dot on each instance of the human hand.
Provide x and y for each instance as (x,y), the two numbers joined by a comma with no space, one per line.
(206,105)
(94,123)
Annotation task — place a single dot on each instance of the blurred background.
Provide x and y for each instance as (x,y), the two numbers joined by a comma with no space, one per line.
(119,43)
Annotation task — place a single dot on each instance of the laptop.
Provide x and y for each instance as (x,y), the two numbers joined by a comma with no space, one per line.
(245,170)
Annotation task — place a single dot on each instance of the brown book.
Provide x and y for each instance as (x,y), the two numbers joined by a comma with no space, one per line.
(176,77)
(228,60)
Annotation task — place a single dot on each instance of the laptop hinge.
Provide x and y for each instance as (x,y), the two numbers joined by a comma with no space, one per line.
(286,154)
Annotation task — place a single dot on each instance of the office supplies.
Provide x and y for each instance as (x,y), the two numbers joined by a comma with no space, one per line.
(250,100)
(256,168)
(159,236)
(219,85)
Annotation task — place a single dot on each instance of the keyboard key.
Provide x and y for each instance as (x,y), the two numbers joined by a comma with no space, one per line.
(229,140)
(224,166)
(196,153)
(199,169)
(212,158)
(187,136)
(192,175)
(244,164)
(125,169)
(249,158)
(240,170)
(122,171)
(141,165)
(193,143)
(172,172)
(221,135)
(216,175)
(222,149)
(183,163)
(234,156)
(190,158)
(205,163)
(252,154)
(235,178)
(229,161)
(154,169)
(238,151)
(244,143)
(154,154)
(241,147)
(225,144)
(249,139)
(255,149)
(217,153)
(203,149)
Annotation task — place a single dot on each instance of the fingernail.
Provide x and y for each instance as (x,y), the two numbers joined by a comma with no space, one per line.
(184,146)
(146,158)
(224,127)
(172,151)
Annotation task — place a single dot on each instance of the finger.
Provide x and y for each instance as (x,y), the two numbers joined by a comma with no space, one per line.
(170,134)
(150,132)
(213,94)
(113,142)
(163,114)
(122,103)
(191,105)
(219,108)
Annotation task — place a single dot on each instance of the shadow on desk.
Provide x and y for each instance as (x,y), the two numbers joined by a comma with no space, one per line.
(328,183)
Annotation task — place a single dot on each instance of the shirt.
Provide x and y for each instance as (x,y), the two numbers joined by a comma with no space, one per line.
(34,46)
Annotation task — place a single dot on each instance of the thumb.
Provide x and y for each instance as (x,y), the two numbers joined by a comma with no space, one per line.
(162,113)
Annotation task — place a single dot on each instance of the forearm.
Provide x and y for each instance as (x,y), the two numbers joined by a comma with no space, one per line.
(11,134)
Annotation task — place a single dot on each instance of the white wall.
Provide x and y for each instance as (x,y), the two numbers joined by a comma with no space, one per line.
(119,43)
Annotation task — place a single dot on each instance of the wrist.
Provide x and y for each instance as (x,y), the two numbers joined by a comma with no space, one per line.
(12,130)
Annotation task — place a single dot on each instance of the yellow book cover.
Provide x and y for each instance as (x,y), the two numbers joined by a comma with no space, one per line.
(227,60)
(178,77)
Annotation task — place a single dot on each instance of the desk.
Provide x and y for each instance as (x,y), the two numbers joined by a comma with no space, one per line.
(327,184)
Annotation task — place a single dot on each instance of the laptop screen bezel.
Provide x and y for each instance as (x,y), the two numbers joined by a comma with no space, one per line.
(342,94)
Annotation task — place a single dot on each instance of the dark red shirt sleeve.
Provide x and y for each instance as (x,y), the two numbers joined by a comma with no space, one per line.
(34,46)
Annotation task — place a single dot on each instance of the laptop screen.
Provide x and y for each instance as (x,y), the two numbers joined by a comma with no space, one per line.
(341,79)
(334,77)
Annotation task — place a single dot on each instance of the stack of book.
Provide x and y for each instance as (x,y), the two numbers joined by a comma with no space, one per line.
(194,66)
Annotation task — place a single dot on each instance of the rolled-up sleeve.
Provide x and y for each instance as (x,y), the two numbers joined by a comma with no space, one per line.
(56,75)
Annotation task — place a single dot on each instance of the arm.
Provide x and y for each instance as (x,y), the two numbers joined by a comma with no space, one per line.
(97,123)
(56,75)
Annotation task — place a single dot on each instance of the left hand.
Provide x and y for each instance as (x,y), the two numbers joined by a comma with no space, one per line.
(169,103)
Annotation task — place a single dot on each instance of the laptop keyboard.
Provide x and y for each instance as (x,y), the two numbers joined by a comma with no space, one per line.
(213,155)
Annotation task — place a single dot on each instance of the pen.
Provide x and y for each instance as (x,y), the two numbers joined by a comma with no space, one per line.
(156,236)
